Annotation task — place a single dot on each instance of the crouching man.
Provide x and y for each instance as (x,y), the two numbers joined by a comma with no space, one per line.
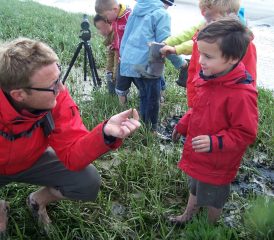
(43,140)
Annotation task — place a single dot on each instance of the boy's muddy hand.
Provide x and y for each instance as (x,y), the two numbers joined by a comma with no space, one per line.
(122,124)
(201,143)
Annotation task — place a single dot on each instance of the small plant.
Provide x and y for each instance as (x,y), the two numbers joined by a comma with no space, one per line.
(265,138)
(259,219)
(200,229)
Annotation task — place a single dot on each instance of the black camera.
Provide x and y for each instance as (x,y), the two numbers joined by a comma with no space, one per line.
(85,23)
(85,33)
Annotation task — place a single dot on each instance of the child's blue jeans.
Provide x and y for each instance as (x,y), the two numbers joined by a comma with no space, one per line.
(149,100)
(149,92)
(163,83)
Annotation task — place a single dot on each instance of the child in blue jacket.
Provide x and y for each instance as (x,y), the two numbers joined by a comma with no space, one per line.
(148,22)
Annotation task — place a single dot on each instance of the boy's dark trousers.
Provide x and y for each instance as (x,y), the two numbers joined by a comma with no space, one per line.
(110,83)
(149,100)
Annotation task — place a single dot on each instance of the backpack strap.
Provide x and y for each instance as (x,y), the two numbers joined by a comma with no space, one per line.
(46,123)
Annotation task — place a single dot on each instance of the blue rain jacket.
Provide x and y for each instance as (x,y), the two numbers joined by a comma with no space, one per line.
(148,22)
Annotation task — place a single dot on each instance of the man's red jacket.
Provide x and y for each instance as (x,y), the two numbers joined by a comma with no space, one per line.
(74,145)
(225,109)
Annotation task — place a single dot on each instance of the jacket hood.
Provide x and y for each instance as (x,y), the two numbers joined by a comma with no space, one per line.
(237,78)
(143,7)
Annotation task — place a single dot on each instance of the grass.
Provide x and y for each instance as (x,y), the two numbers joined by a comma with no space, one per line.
(265,137)
(259,218)
(141,182)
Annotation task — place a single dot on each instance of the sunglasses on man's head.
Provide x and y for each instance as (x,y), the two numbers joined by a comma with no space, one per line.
(54,88)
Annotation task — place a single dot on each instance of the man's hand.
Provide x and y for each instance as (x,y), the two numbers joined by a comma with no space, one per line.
(201,143)
(175,135)
(166,50)
(122,124)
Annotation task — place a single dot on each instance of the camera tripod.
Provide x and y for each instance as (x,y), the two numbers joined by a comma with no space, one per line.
(85,37)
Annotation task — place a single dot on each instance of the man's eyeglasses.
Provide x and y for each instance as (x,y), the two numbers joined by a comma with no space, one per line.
(54,88)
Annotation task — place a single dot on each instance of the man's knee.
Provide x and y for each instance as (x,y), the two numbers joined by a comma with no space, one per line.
(87,187)
(91,185)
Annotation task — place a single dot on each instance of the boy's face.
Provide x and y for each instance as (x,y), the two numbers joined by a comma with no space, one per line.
(110,15)
(212,60)
(103,27)
(211,14)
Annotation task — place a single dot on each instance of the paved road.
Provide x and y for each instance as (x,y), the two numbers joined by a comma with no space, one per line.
(259,9)
(256,11)
(255,8)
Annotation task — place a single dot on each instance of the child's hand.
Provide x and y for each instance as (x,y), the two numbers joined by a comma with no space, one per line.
(166,50)
(175,135)
(201,143)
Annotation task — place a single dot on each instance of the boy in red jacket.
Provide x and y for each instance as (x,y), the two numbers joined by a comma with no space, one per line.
(222,122)
(105,29)
(118,15)
(115,13)
(211,11)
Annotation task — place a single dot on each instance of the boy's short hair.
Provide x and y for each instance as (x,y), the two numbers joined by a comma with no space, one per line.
(98,18)
(104,5)
(230,34)
(224,7)
(19,59)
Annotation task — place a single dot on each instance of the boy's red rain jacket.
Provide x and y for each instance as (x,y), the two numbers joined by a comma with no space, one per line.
(119,26)
(75,146)
(225,108)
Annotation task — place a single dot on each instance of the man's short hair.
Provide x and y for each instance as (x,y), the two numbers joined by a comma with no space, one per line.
(224,7)
(104,5)
(230,34)
(20,58)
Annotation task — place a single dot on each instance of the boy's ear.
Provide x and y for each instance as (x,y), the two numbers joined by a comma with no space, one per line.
(234,61)
(18,95)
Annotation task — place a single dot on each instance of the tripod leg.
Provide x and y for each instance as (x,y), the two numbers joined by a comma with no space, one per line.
(72,61)
(85,64)
(96,79)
